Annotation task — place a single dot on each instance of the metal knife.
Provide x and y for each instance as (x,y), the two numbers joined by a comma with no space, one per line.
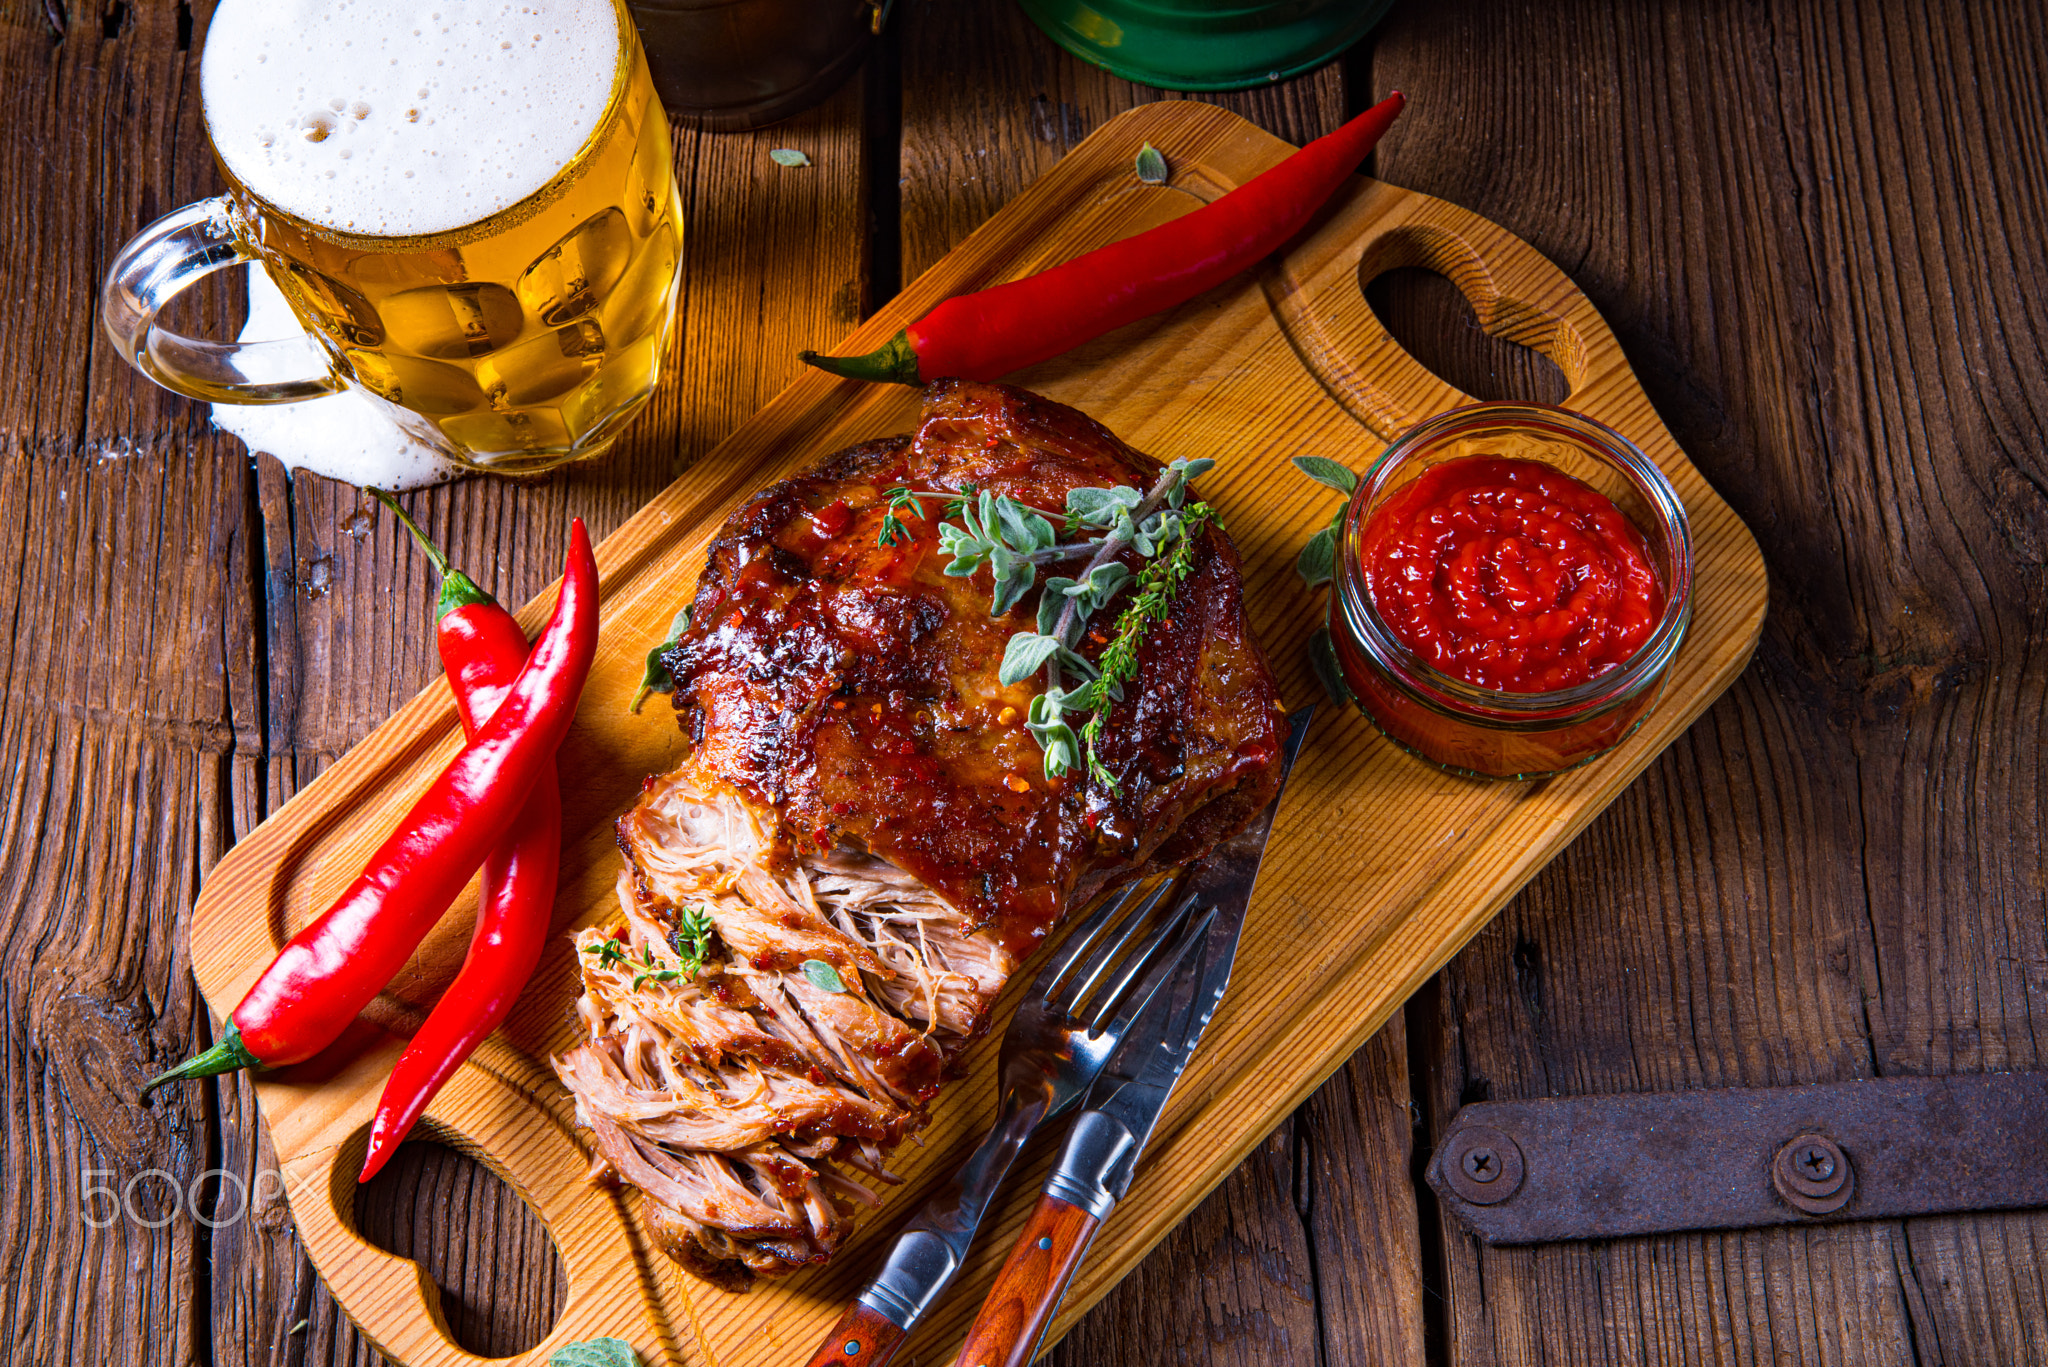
(1102,1149)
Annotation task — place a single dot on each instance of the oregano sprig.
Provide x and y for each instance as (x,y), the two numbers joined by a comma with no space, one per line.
(1317,565)
(1148,523)
(1318,559)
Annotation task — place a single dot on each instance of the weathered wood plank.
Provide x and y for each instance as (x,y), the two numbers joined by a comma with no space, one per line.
(1836,874)
(990,102)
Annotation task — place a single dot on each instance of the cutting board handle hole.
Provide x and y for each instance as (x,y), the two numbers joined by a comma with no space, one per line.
(499,1272)
(1435,323)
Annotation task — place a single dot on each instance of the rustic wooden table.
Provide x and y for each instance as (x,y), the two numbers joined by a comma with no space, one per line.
(1817,228)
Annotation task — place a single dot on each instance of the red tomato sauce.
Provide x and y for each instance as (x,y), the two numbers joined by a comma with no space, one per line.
(1511,575)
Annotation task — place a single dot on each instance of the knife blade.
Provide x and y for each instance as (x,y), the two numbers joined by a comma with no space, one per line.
(1101,1154)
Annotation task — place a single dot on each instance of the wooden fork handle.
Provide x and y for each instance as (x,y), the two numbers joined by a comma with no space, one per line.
(864,1337)
(1029,1288)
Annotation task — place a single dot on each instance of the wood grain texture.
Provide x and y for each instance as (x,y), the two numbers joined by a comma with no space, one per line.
(1817,230)
(1829,277)
(195,636)
(989,104)
(1029,1286)
(1259,367)
(772,260)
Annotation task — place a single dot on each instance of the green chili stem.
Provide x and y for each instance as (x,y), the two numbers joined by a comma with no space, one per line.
(457,589)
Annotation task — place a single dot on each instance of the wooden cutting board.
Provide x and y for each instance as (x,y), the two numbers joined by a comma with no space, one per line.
(1379,870)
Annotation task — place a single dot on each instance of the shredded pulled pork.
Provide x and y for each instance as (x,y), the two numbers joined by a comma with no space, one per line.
(863,794)
(747,1102)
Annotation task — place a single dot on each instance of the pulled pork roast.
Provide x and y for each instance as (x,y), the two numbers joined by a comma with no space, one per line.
(861,796)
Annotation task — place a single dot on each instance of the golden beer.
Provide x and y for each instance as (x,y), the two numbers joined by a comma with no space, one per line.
(513,342)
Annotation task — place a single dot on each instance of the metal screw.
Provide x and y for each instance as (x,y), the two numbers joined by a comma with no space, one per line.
(1815,1162)
(1814,1175)
(1481,1165)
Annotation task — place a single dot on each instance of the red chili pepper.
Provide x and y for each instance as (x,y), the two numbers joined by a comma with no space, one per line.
(331,969)
(986,335)
(482,650)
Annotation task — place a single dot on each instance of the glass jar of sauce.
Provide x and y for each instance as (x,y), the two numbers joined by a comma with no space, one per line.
(1533,573)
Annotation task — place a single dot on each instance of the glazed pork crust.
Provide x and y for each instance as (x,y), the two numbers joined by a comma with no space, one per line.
(861,795)
(852,687)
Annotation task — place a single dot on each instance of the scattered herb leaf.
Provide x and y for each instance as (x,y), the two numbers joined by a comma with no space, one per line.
(788,156)
(1322,658)
(1318,560)
(609,952)
(595,1353)
(823,976)
(1328,473)
(1152,167)
(655,677)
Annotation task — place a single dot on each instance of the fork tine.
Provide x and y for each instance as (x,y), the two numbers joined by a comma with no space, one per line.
(1153,969)
(1081,939)
(1106,955)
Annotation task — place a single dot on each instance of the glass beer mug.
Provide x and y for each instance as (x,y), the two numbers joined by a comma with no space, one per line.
(470,207)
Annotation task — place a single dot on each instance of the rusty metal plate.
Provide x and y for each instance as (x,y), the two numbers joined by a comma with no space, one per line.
(1601,1167)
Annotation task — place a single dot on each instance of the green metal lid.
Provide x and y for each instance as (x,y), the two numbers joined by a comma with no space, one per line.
(1206,44)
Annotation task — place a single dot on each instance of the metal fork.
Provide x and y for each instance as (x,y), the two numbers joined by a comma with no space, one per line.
(1091,989)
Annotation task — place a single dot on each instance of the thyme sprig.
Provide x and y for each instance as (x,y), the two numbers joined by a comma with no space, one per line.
(651,969)
(691,939)
(1159,583)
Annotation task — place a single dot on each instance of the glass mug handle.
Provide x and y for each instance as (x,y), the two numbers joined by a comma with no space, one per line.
(162,261)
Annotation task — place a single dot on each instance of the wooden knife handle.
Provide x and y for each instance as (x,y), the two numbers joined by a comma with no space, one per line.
(862,1338)
(1029,1288)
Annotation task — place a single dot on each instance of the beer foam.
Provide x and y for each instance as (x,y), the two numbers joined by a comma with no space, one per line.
(349,436)
(399,118)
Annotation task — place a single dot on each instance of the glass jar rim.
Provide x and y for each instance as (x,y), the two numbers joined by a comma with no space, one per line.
(1430,685)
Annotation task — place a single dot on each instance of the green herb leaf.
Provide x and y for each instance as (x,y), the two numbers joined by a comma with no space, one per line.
(1183,471)
(1322,658)
(1318,559)
(823,976)
(1099,507)
(1024,530)
(967,547)
(595,1353)
(1049,604)
(691,939)
(1328,473)
(1152,165)
(894,530)
(1025,655)
(1152,599)
(654,678)
(788,156)
(1047,723)
(1014,578)
(1102,584)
